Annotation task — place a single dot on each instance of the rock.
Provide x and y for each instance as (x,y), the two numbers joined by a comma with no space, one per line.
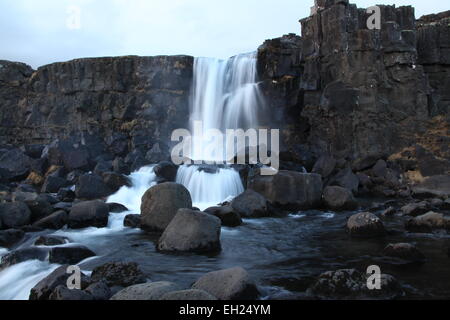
(388,212)
(9,238)
(338,198)
(251,204)
(435,186)
(119,166)
(146,291)
(191,231)
(22,255)
(116,208)
(102,167)
(51,241)
(325,166)
(40,208)
(15,164)
(229,284)
(404,251)
(123,274)
(99,291)
(33,150)
(70,255)
(188,295)
(428,222)
(346,179)
(89,214)
(66,195)
(63,293)
(58,277)
(365,225)
(157,153)
(160,205)
(227,215)
(415,209)
(55,221)
(68,153)
(52,184)
(351,284)
(66,206)
(366,162)
(115,181)
(132,221)
(380,169)
(446,205)
(289,190)
(166,171)
(14,214)
(91,186)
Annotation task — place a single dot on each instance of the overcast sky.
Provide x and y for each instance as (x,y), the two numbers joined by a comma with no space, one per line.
(44,31)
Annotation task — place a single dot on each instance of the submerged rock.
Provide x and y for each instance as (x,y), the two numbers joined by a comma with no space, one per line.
(428,222)
(191,231)
(365,225)
(404,251)
(146,291)
(160,205)
(121,274)
(51,241)
(229,284)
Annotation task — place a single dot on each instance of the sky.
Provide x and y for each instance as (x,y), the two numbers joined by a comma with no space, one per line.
(39,32)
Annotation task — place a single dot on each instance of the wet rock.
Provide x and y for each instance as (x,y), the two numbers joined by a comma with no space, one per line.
(415,209)
(388,212)
(346,179)
(9,238)
(115,181)
(58,277)
(33,150)
(251,204)
(352,284)
(66,206)
(324,166)
(68,153)
(15,165)
(70,255)
(404,251)
(338,198)
(122,274)
(89,214)
(227,215)
(428,222)
(55,221)
(14,214)
(116,208)
(66,195)
(191,231)
(380,169)
(188,295)
(52,184)
(51,241)
(102,167)
(99,291)
(160,205)
(119,166)
(63,293)
(132,221)
(366,162)
(146,291)
(91,186)
(22,255)
(229,284)
(435,186)
(289,190)
(40,208)
(166,171)
(365,225)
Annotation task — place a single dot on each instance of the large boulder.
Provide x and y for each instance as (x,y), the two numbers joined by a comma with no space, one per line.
(22,255)
(91,186)
(121,274)
(191,231)
(229,284)
(9,238)
(89,214)
(435,186)
(160,205)
(15,165)
(227,215)
(251,204)
(55,221)
(132,221)
(188,295)
(146,291)
(428,222)
(166,171)
(115,181)
(40,208)
(338,198)
(346,179)
(365,225)
(52,184)
(289,190)
(68,153)
(14,214)
(58,277)
(70,255)
(324,166)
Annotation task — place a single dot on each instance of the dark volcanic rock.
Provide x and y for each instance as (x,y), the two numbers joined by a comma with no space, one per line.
(191,231)
(160,204)
(63,293)
(89,214)
(166,170)
(39,207)
(116,207)
(91,186)
(22,255)
(324,166)
(99,291)
(15,165)
(52,184)
(123,274)
(132,221)
(437,186)
(227,215)
(51,241)
(55,221)
(70,255)
(338,198)
(9,238)
(428,222)
(365,225)
(115,181)
(14,214)
(404,251)
(251,204)
(229,284)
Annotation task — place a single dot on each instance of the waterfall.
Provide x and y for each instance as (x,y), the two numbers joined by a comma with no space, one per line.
(225,95)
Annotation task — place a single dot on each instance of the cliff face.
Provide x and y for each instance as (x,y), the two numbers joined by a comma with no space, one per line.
(138,100)
(357,93)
